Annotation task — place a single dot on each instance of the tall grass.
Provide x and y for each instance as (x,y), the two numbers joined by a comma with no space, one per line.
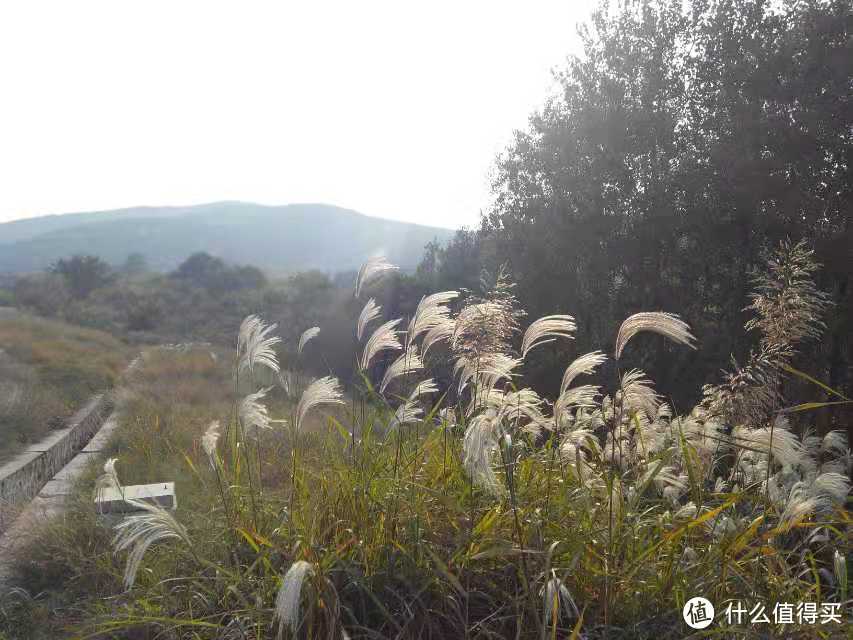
(483,512)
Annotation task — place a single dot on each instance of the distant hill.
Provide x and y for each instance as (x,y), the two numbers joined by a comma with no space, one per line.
(275,238)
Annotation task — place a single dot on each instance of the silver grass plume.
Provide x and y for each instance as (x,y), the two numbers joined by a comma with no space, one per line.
(441,331)
(821,495)
(579,440)
(383,339)
(289,595)
(368,314)
(372,269)
(407,363)
(493,368)
(137,533)
(248,328)
(478,445)
(834,486)
(423,388)
(779,443)
(839,566)
(638,393)
(834,442)
(666,324)
(253,412)
(209,441)
(307,336)
(431,311)
(485,373)
(583,365)
(547,329)
(578,397)
(513,406)
(255,345)
(406,413)
(322,391)
(448,416)
(556,597)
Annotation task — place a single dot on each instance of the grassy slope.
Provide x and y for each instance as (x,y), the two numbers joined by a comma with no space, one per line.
(47,370)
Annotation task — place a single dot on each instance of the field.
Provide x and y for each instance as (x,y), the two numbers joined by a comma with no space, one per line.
(478,511)
(48,369)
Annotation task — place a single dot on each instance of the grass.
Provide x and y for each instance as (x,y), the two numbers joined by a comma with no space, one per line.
(493,520)
(48,369)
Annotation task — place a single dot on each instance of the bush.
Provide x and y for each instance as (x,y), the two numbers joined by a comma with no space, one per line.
(44,293)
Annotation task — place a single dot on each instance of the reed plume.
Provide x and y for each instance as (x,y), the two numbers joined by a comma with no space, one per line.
(289,595)
(209,441)
(438,333)
(138,532)
(666,324)
(371,270)
(478,446)
(407,413)
(368,314)
(431,311)
(253,412)
(424,388)
(405,364)
(323,391)
(383,339)
(583,365)
(545,330)
(255,345)
(306,337)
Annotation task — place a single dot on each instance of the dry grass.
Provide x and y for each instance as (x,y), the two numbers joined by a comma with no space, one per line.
(47,370)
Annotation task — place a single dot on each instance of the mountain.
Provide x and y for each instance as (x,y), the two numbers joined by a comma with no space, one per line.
(275,238)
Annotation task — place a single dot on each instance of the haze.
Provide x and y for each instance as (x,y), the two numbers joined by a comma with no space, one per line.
(394,110)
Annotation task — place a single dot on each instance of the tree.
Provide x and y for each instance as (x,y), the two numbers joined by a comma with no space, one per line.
(83,274)
(244,277)
(44,293)
(207,272)
(688,138)
(202,270)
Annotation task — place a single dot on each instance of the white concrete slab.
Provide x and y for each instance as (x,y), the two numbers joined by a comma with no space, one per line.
(110,500)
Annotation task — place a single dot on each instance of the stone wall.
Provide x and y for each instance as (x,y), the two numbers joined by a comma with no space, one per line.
(23,477)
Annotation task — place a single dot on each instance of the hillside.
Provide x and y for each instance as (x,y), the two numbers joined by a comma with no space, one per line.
(276,238)
(47,371)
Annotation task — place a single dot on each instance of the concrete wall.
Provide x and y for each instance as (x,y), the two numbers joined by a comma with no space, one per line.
(22,477)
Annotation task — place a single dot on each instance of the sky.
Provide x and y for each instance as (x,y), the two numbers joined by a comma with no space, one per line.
(395,109)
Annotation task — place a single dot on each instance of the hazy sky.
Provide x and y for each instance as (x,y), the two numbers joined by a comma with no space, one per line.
(395,109)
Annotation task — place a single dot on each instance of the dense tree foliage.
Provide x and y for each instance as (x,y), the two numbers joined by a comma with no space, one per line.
(83,274)
(209,272)
(687,140)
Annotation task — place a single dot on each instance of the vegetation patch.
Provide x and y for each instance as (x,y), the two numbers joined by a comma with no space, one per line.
(48,369)
(482,510)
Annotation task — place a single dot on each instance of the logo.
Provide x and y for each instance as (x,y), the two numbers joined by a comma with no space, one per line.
(698,613)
